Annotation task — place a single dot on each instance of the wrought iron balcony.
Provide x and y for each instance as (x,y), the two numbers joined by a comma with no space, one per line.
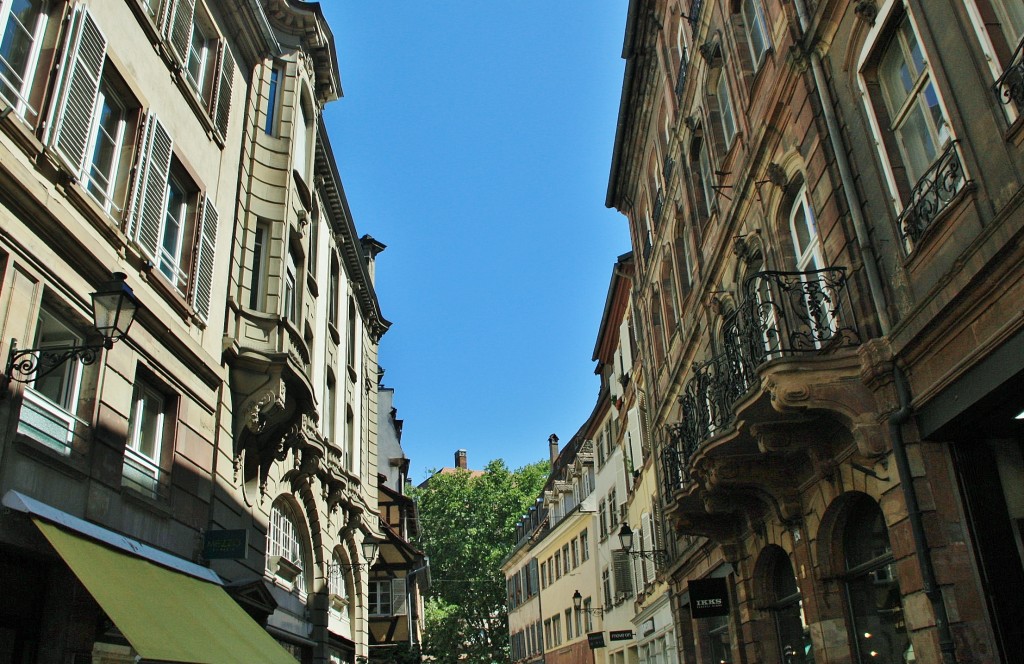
(781,314)
(932,193)
(694,16)
(1009,87)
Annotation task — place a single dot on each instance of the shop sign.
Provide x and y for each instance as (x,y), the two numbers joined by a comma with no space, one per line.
(596,640)
(620,635)
(226,544)
(709,598)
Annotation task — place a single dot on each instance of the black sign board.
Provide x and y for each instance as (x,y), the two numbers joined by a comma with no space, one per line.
(709,598)
(620,634)
(596,640)
(226,544)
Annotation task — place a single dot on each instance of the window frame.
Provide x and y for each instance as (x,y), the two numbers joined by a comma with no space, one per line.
(759,24)
(21,105)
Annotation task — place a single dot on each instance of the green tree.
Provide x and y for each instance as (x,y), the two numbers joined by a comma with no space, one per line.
(467,526)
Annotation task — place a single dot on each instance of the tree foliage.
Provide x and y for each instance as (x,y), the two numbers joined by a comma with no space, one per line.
(467,526)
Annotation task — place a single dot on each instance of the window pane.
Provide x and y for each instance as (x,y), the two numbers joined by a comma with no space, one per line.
(17,44)
(916,142)
(174,223)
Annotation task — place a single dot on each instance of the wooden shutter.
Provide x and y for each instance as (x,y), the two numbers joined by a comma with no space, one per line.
(220,107)
(202,272)
(398,598)
(178,29)
(151,172)
(82,68)
(622,569)
(647,527)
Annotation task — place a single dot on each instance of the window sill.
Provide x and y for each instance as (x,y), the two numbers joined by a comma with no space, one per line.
(73,465)
(18,130)
(169,294)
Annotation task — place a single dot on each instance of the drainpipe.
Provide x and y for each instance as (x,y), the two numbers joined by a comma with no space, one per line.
(931,586)
(896,421)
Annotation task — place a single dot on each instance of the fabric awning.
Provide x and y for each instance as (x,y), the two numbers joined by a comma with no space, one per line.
(167,616)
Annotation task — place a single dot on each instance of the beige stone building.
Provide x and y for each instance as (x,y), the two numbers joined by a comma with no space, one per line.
(203,487)
(824,202)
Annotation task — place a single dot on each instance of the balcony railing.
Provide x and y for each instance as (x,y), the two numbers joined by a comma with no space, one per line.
(932,193)
(1009,87)
(780,314)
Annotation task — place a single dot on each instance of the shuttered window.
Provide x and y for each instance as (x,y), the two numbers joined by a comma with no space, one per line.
(22,25)
(622,568)
(79,88)
(202,289)
(153,168)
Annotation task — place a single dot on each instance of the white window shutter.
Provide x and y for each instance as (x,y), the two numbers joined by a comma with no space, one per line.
(220,107)
(178,29)
(82,67)
(398,598)
(647,528)
(202,276)
(151,172)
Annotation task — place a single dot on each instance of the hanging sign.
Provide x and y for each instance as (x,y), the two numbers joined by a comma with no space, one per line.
(596,640)
(226,544)
(620,635)
(709,598)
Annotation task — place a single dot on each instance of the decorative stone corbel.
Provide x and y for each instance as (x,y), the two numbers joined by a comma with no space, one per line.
(867,11)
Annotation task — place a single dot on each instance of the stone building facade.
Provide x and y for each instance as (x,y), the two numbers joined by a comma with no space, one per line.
(824,203)
(180,144)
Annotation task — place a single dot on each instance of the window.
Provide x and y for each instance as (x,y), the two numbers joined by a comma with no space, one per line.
(792,632)
(350,439)
(146,430)
(93,117)
(285,558)
(565,560)
(757,33)
(613,510)
(22,25)
(575,553)
(588,614)
(725,112)
(558,564)
(568,624)
(911,101)
(170,222)
(258,266)
(290,306)
(602,518)
(301,139)
(205,61)
(330,406)
(873,594)
(544,574)
(380,597)
(556,629)
(704,192)
(273,100)
(585,545)
(350,342)
(332,293)
(50,403)
(606,586)
(804,232)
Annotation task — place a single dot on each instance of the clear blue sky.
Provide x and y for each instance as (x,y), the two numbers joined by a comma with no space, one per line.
(475,140)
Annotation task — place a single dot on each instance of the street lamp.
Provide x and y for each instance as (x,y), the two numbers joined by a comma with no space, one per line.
(113,310)
(370,546)
(577,602)
(626,540)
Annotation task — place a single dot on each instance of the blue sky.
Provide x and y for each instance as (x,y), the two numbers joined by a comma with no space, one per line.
(474,140)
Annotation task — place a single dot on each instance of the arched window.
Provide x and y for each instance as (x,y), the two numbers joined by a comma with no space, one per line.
(803,230)
(872,590)
(786,608)
(285,559)
(340,605)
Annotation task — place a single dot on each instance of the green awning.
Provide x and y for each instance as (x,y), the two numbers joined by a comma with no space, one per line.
(166,616)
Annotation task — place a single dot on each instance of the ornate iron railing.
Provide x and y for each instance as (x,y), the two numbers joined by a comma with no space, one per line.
(1009,87)
(780,314)
(932,193)
(694,17)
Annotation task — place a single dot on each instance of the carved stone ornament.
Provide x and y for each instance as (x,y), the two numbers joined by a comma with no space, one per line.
(866,10)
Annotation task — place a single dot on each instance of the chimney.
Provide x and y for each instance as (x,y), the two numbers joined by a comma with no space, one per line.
(553,447)
(460,459)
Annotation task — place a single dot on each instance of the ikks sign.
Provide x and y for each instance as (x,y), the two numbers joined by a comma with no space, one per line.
(709,598)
